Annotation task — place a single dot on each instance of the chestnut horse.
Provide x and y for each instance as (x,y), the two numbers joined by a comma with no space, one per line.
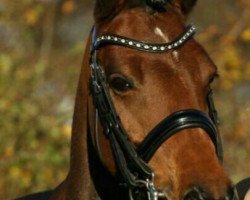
(144,123)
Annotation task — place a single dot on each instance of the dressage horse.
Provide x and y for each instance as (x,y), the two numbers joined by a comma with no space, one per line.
(144,126)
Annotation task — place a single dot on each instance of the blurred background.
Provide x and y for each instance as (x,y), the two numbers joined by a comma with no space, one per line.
(41,49)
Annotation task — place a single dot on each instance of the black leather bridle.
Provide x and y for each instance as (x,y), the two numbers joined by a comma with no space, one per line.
(131,161)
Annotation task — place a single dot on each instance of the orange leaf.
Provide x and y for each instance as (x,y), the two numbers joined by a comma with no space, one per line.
(68,7)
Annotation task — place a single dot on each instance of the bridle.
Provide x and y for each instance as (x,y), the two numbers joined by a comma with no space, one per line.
(132,169)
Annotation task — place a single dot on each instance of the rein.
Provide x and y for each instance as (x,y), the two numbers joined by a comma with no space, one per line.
(133,171)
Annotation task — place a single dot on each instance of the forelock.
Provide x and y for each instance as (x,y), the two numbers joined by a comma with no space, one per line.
(107,8)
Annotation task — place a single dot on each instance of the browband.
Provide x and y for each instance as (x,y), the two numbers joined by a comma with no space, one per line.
(112,39)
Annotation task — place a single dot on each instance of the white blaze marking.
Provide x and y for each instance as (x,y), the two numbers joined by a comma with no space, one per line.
(176,55)
(159,32)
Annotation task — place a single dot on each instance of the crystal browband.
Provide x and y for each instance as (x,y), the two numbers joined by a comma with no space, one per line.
(111,39)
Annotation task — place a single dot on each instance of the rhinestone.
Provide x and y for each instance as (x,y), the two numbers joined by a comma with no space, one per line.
(109,38)
(162,48)
(138,45)
(115,38)
(154,48)
(169,46)
(176,44)
(130,43)
(102,38)
(123,41)
(146,47)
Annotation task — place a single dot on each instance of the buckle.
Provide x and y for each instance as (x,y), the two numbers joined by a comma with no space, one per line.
(152,193)
(96,87)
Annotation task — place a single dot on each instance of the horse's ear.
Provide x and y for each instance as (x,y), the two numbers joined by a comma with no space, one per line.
(184,6)
(106,8)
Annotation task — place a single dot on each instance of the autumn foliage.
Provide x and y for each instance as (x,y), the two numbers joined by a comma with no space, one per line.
(41,47)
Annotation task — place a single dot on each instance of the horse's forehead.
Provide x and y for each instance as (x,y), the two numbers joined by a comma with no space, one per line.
(140,24)
(155,28)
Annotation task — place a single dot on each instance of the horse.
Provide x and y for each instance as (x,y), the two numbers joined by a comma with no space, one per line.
(144,125)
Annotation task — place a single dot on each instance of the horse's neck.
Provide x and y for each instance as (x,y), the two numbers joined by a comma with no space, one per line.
(79,184)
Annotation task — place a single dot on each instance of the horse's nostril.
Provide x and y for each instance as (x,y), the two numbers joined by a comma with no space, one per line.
(195,194)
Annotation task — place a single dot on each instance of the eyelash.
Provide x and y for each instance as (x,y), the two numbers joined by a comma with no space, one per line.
(214,77)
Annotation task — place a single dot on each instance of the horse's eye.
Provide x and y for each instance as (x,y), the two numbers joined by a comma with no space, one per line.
(119,83)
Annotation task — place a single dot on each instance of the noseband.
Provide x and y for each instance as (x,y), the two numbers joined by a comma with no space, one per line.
(132,169)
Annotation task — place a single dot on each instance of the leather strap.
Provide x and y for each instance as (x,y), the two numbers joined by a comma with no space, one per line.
(131,167)
(173,124)
(112,39)
(214,117)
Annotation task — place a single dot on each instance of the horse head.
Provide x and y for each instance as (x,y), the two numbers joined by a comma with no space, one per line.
(144,107)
